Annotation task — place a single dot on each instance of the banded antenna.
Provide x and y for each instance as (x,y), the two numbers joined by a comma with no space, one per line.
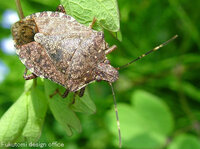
(116,113)
(124,66)
(147,53)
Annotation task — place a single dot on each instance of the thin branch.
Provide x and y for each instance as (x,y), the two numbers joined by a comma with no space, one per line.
(19,9)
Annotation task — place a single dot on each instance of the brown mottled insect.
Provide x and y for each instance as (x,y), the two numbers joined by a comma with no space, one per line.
(55,46)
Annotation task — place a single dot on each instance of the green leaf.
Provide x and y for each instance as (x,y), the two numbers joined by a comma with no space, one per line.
(61,108)
(154,110)
(147,120)
(105,11)
(47,3)
(185,141)
(37,107)
(84,104)
(117,35)
(14,120)
(25,117)
(27,86)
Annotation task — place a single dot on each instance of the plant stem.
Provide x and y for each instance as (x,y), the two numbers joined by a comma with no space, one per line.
(19,9)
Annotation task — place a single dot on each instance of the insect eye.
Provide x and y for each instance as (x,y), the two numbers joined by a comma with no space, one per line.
(101,34)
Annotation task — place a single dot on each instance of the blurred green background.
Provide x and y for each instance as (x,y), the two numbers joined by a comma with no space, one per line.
(158,97)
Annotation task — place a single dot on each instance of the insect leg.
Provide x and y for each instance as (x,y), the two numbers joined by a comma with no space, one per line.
(109,50)
(56,92)
(81,93)
(61,9)
(93,21)
(74,98)
(65,93)
(29,77)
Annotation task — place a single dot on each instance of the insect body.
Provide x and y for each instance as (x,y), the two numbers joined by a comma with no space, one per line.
(55,46)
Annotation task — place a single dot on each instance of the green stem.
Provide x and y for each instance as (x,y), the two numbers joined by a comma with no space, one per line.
(19,9)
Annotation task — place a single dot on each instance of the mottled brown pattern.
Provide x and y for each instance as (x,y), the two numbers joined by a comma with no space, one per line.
(64,51)
(39,63)
(62,22)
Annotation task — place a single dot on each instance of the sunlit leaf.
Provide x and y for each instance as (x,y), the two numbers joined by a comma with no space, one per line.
(117,35)
(84,104)
(147,120)
(14,120)
(25,117)
(153,110)
(185,141)
(105,11)
(61,108)
(37,106)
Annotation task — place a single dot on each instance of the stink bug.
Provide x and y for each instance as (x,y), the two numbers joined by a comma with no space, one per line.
(53,45)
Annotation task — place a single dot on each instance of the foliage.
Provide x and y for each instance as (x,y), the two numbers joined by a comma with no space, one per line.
(151,121)
(106,12)
(158,96)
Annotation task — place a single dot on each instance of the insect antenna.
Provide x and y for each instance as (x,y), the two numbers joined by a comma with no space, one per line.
(147,53)
(117,117)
